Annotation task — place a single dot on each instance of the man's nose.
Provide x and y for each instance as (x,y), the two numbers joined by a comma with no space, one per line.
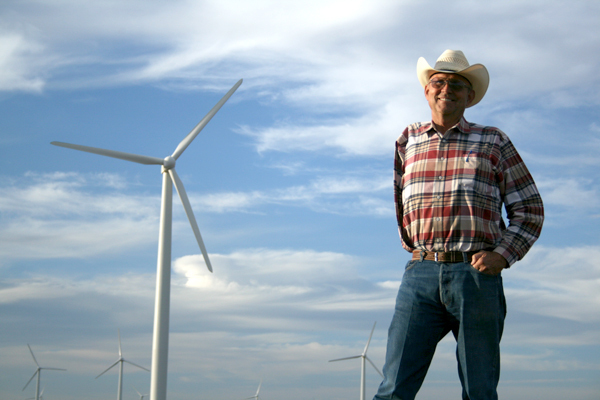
(446,87)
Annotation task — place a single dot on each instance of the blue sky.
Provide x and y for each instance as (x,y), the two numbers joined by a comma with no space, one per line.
(290,183)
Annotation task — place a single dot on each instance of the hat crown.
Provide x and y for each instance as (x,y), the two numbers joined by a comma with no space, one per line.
(452,60)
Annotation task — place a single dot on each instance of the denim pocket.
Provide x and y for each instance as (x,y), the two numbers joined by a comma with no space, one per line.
(411,264)
(479,273)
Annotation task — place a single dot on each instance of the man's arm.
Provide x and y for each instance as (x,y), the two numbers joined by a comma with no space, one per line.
(523,203)
(399,159)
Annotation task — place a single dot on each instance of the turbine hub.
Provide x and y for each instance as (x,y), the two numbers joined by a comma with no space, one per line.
(169,163)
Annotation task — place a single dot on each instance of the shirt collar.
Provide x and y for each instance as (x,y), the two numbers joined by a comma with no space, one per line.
(462,126)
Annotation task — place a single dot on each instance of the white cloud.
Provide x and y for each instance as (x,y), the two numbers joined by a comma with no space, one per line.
(265,312)
(557,282)
(544,361)
(559,192)
(355,59)
(373,134)
(274,272)
(351,195)
(390,284)
(19,63)
(353,50)
(59,216)
(230,201)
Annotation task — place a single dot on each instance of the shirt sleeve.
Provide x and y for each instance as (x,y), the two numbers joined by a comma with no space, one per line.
(522,201)
(399,158)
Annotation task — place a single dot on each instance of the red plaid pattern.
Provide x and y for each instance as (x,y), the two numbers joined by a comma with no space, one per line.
(449,191)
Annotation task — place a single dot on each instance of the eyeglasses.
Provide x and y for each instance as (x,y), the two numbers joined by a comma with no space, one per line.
(452,83)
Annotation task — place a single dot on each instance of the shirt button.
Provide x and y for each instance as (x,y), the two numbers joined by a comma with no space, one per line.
(440,177)
(438,219)
(442,158)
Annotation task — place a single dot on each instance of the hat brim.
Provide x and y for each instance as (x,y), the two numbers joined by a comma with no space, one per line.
(477,74)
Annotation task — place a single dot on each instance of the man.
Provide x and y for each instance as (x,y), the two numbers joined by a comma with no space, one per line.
(451,178)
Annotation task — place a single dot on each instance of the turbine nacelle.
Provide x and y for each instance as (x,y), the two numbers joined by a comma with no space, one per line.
(169,163)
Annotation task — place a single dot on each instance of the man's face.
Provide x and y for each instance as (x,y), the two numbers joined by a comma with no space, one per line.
(449,100)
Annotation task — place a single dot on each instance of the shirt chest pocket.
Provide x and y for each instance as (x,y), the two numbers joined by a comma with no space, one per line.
(474,172)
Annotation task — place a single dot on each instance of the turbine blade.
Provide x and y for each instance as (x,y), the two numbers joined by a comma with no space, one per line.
(120,353)
(37,371)
(146,160)
(258,390)
(54,369)
(192,135)
(31,351)
(190,214)
(139,366)
(346,358)
(369,341)
(376,369)
(106,370)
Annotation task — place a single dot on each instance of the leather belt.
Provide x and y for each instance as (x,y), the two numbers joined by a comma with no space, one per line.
(443,256)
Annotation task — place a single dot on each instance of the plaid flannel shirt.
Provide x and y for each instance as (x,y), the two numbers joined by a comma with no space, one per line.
(449,190)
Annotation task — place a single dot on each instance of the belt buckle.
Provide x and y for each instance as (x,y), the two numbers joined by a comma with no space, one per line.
(436,256)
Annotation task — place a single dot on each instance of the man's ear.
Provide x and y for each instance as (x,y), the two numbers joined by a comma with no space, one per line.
(470,97)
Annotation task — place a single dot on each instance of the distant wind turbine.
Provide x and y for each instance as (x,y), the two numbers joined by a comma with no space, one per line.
(139,394)
(363,357)
(120,361)
(256,396)
(41,396)
(160,340)
(38,372)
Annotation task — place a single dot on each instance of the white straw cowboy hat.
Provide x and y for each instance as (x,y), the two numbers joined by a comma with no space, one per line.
(455,62)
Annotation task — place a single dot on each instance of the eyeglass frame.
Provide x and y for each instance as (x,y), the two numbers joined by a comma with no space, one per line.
(453,84)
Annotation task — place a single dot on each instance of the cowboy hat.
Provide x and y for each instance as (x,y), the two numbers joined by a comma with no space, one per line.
(455,62)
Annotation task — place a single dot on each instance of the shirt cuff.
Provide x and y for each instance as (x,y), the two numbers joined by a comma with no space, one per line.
(510,256)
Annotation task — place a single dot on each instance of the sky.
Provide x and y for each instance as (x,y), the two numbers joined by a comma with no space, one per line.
(291,184)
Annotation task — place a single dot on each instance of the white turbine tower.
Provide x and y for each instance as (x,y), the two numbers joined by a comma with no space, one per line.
(120,361)
(38,372)
(256,396)
(160,340)
(363,357)
(41,396)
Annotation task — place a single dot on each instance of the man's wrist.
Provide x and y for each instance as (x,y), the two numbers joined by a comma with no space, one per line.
(508,257)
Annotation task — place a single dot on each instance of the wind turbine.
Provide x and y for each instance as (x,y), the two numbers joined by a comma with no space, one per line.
(41,396)
(257,392)
(38,372)
(141,395)
(160,340)
(363,357)
(120,361)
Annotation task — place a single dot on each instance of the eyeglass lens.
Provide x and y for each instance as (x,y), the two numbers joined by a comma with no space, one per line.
(453,84)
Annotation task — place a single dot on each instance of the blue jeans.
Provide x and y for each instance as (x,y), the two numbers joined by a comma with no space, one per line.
(434,299)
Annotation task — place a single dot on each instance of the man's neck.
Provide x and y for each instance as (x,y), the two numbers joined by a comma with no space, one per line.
(445,125)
